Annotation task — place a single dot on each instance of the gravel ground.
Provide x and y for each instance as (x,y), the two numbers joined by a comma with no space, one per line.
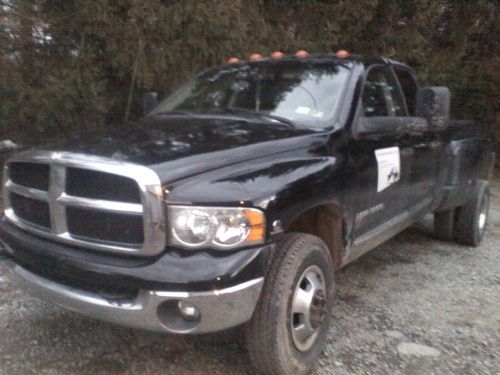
(412,306)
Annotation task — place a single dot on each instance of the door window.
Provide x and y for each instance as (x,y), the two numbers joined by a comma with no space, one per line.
(410,87)
(381,96)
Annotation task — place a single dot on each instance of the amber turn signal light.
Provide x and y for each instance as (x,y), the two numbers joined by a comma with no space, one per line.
(302,53)
(257,224)
(342,54)
(255,56)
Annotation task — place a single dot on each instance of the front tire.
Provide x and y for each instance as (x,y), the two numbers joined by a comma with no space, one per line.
(289,327)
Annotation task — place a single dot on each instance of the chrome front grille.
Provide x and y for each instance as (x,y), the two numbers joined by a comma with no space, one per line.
(33,175)
(86,201)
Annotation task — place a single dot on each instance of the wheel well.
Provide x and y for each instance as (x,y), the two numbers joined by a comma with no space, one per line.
(325,222)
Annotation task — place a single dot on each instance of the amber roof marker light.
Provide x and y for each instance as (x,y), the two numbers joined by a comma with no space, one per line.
(302,53)
(232,60)
(277,55)
(255,57)
(342,54)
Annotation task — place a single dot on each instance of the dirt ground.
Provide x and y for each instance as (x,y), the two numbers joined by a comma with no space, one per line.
(414,305)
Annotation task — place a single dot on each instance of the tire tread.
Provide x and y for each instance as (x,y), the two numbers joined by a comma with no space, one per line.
(466,231)
(261,337)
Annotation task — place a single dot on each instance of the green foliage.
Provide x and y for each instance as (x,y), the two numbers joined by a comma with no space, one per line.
(103,54)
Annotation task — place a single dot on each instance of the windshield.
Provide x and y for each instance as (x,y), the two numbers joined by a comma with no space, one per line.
(305,92)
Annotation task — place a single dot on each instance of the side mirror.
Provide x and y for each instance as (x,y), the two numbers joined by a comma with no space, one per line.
(150,101)
(433,104)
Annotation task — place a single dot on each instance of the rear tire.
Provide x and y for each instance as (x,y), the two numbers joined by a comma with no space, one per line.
(472,217)
(289,327)
(444,225)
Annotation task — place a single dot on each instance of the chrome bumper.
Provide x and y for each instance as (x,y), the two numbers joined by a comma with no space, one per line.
(151,310)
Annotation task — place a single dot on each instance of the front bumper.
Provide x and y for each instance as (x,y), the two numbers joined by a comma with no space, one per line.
(82,269)
(154,310)
(139,292)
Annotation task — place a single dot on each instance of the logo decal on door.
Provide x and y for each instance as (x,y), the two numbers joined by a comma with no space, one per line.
(388,166)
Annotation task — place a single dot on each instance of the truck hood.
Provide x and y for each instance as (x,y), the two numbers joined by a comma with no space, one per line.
(182,146)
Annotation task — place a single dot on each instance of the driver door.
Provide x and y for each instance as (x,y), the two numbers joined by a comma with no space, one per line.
(381,164)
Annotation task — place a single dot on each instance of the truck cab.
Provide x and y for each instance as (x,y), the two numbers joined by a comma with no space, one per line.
(234,200)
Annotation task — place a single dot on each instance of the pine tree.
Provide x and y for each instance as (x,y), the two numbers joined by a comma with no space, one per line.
(72,66)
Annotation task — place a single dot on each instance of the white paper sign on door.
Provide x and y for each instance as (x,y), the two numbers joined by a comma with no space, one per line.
(389,167)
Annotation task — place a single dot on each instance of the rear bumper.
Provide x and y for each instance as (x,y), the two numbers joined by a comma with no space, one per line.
(155,310)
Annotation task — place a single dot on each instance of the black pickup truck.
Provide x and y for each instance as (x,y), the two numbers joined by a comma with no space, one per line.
(235,199)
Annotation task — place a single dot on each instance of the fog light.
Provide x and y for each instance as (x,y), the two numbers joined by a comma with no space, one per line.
(188,311)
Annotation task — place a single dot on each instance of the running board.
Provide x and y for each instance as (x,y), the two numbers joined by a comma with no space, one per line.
(377,236)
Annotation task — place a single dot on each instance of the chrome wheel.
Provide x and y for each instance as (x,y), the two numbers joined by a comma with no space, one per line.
(483,213)
(308,308)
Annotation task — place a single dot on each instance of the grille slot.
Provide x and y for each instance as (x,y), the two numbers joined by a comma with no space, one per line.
(32,175)
(105,226)
(31,210)
(87,201)
(99,185)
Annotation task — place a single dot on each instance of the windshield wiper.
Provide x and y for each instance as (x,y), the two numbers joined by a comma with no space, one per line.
(236,110)
(174,113)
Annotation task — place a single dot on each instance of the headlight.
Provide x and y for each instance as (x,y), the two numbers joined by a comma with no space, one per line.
(195,227)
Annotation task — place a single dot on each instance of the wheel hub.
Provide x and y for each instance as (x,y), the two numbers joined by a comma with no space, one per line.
(308,308)
(317,311)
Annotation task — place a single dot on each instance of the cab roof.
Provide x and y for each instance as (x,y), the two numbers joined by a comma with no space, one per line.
(364,60)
